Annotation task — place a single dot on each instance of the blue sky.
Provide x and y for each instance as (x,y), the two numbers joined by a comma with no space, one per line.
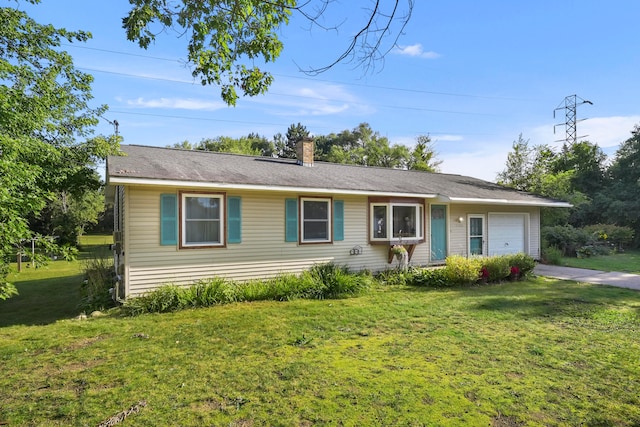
(473,75)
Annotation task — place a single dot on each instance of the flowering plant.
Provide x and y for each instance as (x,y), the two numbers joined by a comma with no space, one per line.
(398,250)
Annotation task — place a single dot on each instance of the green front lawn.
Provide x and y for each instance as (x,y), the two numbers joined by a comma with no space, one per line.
(539,352)
(628,262)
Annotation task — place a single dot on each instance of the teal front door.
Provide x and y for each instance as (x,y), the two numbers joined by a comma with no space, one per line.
(438,232)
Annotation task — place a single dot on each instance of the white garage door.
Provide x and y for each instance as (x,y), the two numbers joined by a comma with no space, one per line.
(506,234)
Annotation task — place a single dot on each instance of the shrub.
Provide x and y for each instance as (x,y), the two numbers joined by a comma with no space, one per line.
(610,234)
(430,277)
(462,271)
(496,268)
(593,250)
(525,263)
(332,281)
(321,281)
(566,238)
(162,300)
(206,293)
(552,255)
(96,290)
(394,277)
(284,287)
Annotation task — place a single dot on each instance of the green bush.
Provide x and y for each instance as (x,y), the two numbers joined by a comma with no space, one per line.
(525,263)
(610,234)
(96,290)
(462,271)
(332,281)
(284,287)
(566,238)
(496,268)
(430,277)
(394,277)
(321,281)
(206,293)
(162,300)
(593,250)
(552,255)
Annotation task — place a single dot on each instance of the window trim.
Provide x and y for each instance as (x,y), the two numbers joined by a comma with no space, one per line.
(301,221)
(484,243)
(182,218)
(389,204)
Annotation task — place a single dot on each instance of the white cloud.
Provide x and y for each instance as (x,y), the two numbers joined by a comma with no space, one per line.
(444,137)
(175,103)
(608,131)
(416,50)
(604,131)
(484,164)
(316,99)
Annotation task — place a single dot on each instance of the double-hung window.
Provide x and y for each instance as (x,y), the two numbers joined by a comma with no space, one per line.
(396,221)
(315,214)
(202,220)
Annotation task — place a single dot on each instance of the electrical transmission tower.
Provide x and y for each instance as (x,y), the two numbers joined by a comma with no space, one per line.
(570,105)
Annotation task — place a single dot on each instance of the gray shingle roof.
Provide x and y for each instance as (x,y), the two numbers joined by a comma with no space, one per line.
(151,164)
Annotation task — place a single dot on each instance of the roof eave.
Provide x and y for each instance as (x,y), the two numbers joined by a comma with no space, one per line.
(540,203)
(228,186)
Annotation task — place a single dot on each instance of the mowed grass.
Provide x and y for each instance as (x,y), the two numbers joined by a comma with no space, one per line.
(534,353)
(50,292)
(628,261)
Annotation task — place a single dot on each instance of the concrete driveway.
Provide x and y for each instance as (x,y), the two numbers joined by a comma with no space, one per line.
(621,280)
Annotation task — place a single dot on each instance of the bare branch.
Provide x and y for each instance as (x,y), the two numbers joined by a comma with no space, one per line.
(365,47)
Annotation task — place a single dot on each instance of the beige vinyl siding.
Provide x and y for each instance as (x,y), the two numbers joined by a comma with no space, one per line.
(458,230)
(262,253)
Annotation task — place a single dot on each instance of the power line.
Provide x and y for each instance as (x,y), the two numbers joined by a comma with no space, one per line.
(395,107)
(121,53)
(412,90)
(209,119)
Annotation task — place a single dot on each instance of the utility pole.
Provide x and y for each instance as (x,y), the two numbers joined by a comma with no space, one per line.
(113,123)
(570,105)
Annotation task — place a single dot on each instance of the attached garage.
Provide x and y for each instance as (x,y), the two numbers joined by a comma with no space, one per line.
(507,233)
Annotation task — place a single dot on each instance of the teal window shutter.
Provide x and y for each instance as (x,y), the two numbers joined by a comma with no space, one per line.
(338,220)
(168,219)
(291,220)
(234,220)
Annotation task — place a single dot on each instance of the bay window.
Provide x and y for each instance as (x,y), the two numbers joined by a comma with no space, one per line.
(396,221)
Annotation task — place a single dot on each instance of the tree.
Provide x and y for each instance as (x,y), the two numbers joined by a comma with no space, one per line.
(184,145)
(532,169)
(252,144)
(43,111)
(286,147)
(423,155)
(621,199)
(225,144)
(588,161)
(364,146)
(227,37)
(518,171)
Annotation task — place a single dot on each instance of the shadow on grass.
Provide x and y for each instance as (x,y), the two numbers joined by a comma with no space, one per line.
(557,299)
(539,298)
(42,301)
